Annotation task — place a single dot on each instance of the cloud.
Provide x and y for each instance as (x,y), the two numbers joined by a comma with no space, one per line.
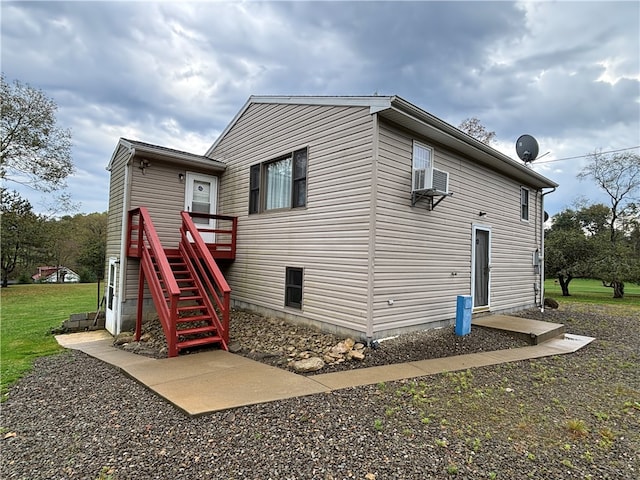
(175,73)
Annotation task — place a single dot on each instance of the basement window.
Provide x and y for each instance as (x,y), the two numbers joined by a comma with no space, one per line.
(293,288)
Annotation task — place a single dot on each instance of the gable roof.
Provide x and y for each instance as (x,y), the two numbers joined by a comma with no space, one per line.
(48,271)
(402,112)
(158,152)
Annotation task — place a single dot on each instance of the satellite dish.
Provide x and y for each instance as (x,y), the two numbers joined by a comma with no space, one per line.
(527,148)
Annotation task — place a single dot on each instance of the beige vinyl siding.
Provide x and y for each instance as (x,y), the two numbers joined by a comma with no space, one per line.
(328,237)
(160,190)
(117,209)
(116,204)
(423,258)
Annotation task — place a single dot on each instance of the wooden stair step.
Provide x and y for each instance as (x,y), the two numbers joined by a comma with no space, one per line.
(189,298)
(188,289)
(194,318)
(184,279)
(190,308)
(183,332)
(196,342)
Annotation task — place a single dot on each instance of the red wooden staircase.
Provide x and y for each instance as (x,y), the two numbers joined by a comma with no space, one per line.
(191,296)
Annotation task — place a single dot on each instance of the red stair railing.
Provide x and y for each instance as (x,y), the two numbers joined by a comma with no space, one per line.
(206,270)
(143,243)
(224,232)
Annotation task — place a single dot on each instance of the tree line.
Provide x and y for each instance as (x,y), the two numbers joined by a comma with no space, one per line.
(30,241)
(597,240)
(36,153)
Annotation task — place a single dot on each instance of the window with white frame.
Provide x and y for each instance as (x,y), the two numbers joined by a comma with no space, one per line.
(524,204)
(422,171)
(279,183)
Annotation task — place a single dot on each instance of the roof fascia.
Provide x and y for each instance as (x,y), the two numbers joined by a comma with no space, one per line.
(464,142)
(177,157)
(373,102)
(181,158)
(121,143)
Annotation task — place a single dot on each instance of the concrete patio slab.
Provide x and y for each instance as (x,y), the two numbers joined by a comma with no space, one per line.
(71,340)
(235,387)
(536,331)
(218,380)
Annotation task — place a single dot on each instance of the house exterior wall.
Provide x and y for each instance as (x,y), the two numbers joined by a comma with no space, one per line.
(423,258)
(118,188)
(373,264)
(159,189)
(328,238)
(359,239)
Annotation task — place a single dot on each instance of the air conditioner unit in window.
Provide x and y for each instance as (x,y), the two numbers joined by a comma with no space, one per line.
(420,179)
(440,181)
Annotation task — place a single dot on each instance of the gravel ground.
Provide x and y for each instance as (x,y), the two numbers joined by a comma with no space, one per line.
(278,343)
(569,416)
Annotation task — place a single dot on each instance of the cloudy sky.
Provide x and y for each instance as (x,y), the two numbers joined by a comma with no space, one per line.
(175,73)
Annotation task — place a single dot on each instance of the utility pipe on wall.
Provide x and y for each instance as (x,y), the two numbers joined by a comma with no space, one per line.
(542,247)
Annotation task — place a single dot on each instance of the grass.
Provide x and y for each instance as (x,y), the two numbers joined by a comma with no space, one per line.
(27,314)
(586,290)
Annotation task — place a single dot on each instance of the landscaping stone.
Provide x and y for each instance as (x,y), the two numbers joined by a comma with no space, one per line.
(305,365)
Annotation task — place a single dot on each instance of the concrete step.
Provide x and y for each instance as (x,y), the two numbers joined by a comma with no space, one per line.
(534,331)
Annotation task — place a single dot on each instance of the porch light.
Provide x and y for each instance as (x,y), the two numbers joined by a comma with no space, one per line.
(144,163)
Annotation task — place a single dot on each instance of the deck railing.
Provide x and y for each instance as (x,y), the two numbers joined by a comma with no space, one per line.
(143,242)
(220,234)
(207,274)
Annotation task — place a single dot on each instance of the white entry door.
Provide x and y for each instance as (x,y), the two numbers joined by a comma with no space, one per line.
(202,197)
(111,310)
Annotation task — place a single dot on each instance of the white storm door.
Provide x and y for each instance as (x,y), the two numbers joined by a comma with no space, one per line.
(111,309)
(202,197)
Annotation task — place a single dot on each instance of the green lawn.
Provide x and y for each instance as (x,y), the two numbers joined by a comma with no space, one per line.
(27,314)
(586,290)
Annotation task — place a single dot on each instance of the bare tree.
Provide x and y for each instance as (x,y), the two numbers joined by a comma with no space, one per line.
(474,128)
(34,151)
(618,175)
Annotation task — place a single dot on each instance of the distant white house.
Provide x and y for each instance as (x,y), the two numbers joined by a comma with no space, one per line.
(59,274)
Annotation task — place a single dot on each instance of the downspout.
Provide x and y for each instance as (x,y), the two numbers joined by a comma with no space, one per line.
(372,230)
(542,257)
